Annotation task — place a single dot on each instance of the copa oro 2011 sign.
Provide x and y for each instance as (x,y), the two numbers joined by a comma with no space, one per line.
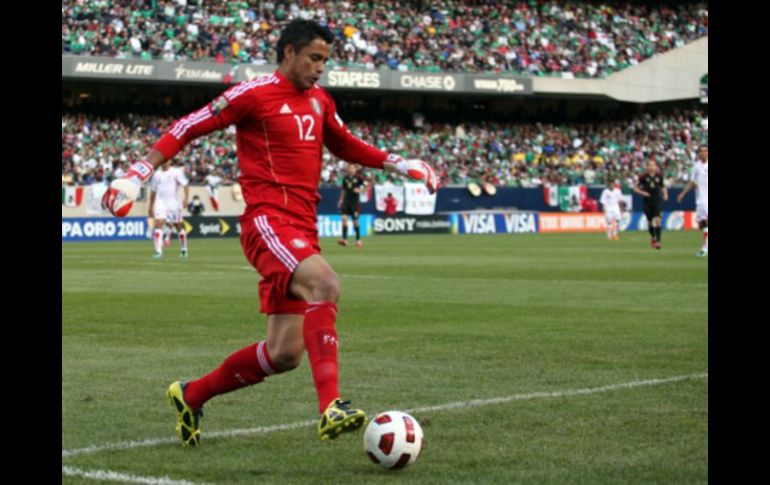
(104,229)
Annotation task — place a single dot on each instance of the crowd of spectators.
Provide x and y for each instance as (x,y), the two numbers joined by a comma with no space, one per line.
(94,145)
(503,154)
(569,38)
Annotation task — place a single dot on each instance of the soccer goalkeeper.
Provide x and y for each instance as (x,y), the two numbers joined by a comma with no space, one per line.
(282,120)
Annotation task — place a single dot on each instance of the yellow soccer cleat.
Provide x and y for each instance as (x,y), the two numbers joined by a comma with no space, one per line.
(187,420)
(339,418)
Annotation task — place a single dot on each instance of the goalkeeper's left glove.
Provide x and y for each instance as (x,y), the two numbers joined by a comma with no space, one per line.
(416,169)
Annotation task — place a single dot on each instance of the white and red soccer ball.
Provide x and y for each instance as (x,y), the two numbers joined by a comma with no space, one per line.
(125,192)
(393,439)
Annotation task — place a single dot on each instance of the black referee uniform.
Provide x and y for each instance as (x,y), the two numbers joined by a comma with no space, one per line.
(652,205)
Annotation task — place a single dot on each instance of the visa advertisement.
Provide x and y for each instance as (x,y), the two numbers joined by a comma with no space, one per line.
(494,222)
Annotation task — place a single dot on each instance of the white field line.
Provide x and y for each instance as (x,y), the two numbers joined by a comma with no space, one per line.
(111,476)
(127,445)
(555,394)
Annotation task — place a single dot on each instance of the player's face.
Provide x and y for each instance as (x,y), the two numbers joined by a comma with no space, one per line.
(703,153)
(652,168)
(352,169)
(306,66)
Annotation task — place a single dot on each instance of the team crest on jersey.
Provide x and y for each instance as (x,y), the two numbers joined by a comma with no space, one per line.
(218,105)
(316,106)
(299,243)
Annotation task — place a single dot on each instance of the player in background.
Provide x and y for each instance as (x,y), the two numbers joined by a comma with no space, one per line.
(611,200)
(213,180)
(699,177)
(391,205)
(165,208)
(283,121)
(350,203)
(651,187)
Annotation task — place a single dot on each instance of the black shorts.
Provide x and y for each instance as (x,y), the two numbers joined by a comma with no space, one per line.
(652,210)
(351,209)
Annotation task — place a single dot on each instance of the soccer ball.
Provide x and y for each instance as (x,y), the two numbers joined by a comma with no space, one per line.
(128,191)
(393,439)
(123,207)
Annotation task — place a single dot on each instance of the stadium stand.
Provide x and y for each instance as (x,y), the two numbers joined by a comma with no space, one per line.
(523,154)
(539,38)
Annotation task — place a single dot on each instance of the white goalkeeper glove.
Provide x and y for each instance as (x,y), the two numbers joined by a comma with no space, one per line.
(120,197)
(415,169)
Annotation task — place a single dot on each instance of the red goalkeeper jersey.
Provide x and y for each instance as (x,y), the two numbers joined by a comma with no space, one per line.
(280,136)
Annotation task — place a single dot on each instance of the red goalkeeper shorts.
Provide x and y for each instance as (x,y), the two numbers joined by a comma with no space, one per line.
(275,246)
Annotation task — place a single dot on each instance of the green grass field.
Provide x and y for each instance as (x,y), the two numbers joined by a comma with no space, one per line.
(601,349)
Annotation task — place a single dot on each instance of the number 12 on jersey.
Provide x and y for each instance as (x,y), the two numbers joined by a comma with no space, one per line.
(308,134)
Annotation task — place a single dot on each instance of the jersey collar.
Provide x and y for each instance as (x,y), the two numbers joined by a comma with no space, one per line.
(282,81)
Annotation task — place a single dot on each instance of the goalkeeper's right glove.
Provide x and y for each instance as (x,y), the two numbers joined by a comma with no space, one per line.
(120,197)
(416,169)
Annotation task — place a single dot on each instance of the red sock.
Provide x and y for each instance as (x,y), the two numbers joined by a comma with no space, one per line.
(321,344)
(244,367)
(158,240)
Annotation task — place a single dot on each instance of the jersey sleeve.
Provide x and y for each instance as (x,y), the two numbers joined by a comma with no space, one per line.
(154,183)
(341,142)
(229,108)
(181,178)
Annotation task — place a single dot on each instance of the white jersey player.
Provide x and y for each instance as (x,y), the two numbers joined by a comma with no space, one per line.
(212,187)
(165,207)
(699,178)
(611,199)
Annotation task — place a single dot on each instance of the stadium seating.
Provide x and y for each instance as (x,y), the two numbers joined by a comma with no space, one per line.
(509,154)
(551,37)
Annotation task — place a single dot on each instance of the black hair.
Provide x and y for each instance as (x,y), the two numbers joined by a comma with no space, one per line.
(300,33)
